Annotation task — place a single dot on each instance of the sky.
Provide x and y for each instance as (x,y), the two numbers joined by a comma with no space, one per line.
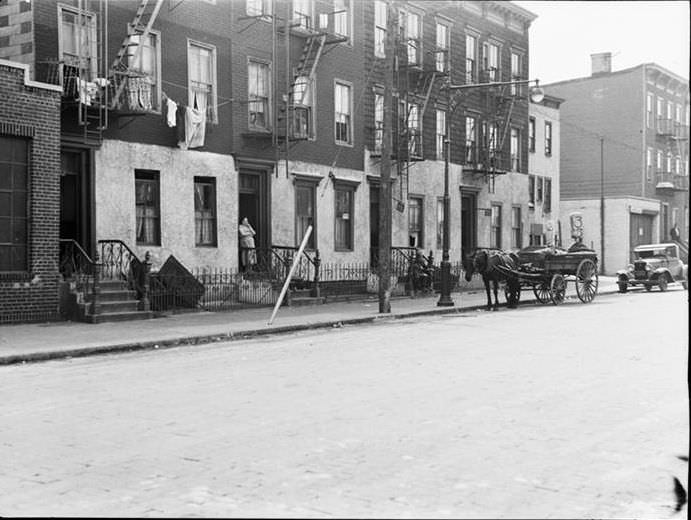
(566,33)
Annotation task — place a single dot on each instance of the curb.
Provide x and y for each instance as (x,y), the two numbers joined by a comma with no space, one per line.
(36,357)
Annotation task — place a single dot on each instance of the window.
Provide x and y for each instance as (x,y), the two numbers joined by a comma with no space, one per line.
(205,211)
(413,32)
(678,169)
(148,62)
(660,112)
(147,207)
(441,133)
(670,111)
(259,96)
(258,7)
(378,122)
(548,138)
(547,205)
(78,28)
(414,130)
(343,238)
(342,116)
(470,58)
(516,228)
(658,161)
(515,150)
(491,61)
(531,134)
(531,191)
(342,17)
(440,223)
(470,140)
(302,14)
(678,114)
(442,55)
(668,169)
(14,197)
(379,28)
(302,108)
(649,111)
(491,136)
(495,226)
(538,183)
(515,73)
(415,222)
(648,164)
(201,63)
(305,215)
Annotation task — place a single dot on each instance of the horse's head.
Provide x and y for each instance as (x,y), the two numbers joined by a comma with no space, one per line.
(474,263)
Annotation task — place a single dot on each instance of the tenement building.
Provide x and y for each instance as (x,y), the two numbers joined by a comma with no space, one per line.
(178,119)
(625,157)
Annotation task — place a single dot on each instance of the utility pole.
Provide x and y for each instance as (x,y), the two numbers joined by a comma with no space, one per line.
(602,205)
(385,206)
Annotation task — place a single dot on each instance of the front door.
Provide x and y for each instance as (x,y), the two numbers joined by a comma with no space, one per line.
(468,223)
(75,198)
(640,231)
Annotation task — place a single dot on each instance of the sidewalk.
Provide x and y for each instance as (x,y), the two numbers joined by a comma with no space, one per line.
(56,340)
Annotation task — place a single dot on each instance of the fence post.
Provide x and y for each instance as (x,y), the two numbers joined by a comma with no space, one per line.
(317,266)
(145,302)
(96,289)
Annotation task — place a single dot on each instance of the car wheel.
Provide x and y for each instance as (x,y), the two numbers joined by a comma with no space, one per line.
(623,287)
(648,287)
(662,283)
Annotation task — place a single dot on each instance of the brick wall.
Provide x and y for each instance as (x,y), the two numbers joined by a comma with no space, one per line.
(31,111)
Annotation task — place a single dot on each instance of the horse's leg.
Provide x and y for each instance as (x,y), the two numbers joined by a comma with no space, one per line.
(496,290)
(487,290)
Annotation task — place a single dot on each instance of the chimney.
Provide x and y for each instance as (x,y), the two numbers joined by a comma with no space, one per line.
(600,63)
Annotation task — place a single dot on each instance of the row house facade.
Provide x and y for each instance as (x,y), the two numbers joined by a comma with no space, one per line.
(178,118)
(625,140)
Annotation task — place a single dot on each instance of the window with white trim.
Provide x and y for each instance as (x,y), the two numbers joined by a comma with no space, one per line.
(205,211)
(305,212)
(413,34)
(531,134)
(303,103)
(147,207)
(414,130)
(78,39)
(648,164)
(649,117)
(201,84)
(415,221)
(302,14)
(14,203)
(495,226)
(343,128)
(441,57)
(380,16)
(440,223)
(516,72)
(259,96)
(515,149)
(547,204)
(148,63)
(470,58)
(441,133)
(378,122)
(343,230)
(531,191)
(516,228)
(470,154)
(491,64)
(343,18)
(548,138)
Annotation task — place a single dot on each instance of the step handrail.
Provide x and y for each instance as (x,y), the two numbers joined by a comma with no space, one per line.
(119,262)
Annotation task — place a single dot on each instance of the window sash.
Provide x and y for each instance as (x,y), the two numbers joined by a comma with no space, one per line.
(547,204)
(548,138)
(379,28)
(14,204)
(495,232)
(531,190)
(202,79)
(470,140)
(440,223)
(415,221)
(531,134)
(71,30)
(343,238)
(205,212)
(441,56)
(516,241)
(258,93)
(342,17)
(470,58)
(441,133)
(304,214)
(515,150)
(342,116)
(147,210)
(378,122)
(414,40)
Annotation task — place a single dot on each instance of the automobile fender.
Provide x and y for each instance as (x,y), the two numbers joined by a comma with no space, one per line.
(661,271)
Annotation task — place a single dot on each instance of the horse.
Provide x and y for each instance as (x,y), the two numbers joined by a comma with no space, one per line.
(484,261)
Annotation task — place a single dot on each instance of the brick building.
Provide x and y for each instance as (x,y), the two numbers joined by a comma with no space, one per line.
(29,195)
(290,95)
(625,138)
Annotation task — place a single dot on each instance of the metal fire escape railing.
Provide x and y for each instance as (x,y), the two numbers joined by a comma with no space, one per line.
(122,75)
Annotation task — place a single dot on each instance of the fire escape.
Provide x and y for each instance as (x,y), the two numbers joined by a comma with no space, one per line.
(415,79)
(672,135)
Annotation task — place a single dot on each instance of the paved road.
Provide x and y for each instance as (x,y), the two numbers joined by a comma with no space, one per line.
(577,411)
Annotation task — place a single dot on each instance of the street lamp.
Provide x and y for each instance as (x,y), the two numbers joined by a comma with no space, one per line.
(536,96)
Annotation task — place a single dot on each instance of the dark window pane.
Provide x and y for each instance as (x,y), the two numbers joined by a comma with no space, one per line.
(18,258)
(20,151)
(19,231)
(5,175)
(5,203)
(19,174)
(5,230)
(4,258)
(19,208)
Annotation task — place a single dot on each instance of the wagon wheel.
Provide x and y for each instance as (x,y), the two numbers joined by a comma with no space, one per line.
(541,291)
(512,291)
(586,280)
(557,288)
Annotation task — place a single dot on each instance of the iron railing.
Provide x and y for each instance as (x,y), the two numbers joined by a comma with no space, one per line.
(77,267)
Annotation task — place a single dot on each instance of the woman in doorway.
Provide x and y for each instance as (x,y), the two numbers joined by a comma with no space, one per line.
(248,253)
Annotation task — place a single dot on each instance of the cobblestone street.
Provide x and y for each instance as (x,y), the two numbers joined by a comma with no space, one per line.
(576,411)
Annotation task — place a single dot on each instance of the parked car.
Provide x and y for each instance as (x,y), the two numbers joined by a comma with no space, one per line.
(654,265)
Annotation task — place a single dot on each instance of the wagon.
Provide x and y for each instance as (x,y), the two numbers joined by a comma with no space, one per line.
(547,270)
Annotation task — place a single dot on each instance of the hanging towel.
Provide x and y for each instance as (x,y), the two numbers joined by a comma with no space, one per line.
(195,128)
(180,126)
(172,107)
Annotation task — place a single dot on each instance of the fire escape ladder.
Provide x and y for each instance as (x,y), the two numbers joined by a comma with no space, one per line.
(141,26)
(429,87)
(309,59)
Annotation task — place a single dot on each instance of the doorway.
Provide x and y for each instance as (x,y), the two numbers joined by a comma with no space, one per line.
(640,231)
(76,201)
(252,203)
(468,222)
